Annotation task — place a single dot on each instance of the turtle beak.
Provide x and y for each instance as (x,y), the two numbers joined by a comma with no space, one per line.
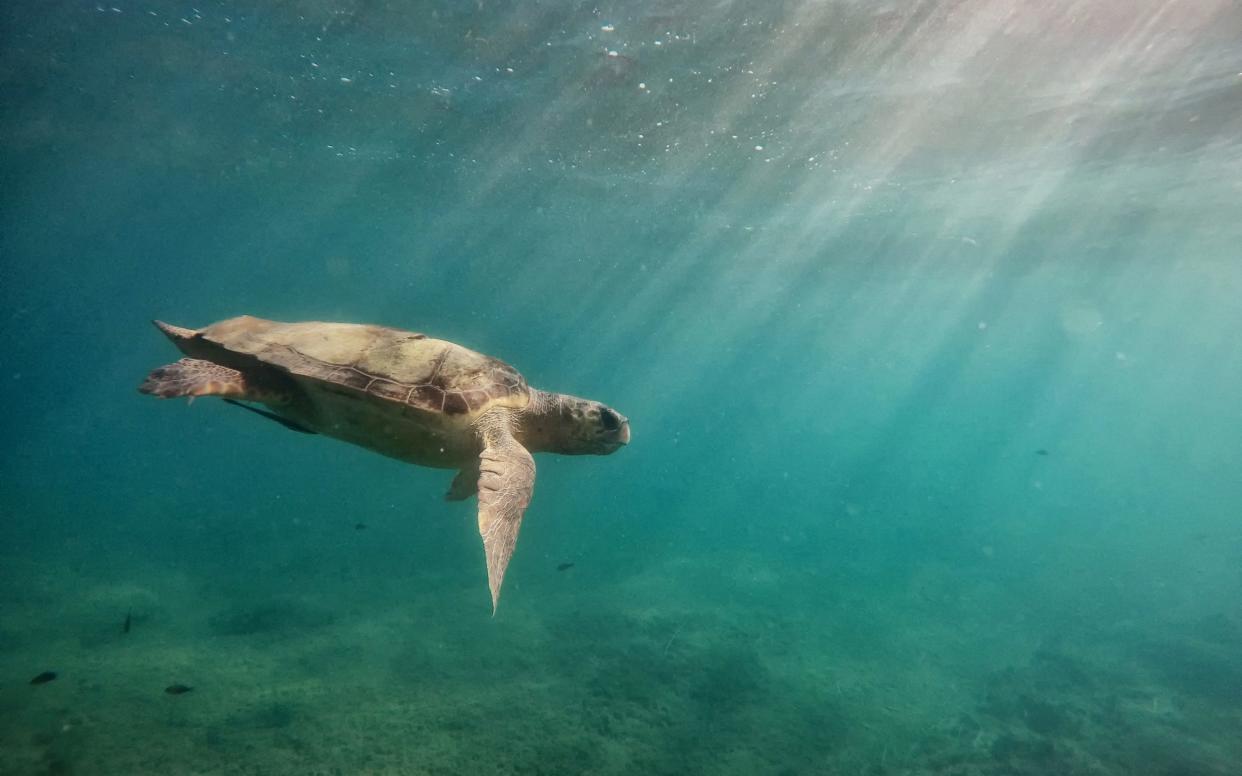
(612,433)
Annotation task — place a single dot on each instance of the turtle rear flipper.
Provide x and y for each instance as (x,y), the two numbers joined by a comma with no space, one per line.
(195,377)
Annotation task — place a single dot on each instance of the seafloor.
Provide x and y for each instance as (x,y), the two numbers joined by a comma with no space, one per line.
(741,668)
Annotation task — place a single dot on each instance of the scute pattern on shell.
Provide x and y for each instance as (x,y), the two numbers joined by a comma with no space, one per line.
(389,364)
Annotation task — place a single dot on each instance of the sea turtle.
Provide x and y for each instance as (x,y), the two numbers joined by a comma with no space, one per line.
(402,394)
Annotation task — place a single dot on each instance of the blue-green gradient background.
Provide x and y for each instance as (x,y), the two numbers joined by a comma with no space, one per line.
(926,316)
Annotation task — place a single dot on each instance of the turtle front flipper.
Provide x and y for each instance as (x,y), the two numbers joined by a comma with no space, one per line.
(506,481)
(195,377)
(465,484)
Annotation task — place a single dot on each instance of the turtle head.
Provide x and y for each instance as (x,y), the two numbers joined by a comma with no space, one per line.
(560,423)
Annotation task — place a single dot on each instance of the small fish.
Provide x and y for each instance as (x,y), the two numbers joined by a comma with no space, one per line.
(129,620)
(1041,451)
(564,567)
(177,689)
(360,526)
(44,677)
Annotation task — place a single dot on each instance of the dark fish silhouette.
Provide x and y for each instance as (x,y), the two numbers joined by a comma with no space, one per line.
(360,526)
(129,620)
(564,567)
(44,677)
(177,689)
(1041,451)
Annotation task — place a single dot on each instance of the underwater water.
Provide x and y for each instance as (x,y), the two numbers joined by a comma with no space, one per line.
(925,315)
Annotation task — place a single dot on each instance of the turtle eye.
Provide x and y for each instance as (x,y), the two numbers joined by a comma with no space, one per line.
(609,419)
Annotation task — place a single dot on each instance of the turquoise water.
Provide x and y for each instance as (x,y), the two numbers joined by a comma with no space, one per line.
(925,316)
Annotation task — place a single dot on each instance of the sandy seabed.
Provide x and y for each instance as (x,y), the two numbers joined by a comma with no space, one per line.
(748,670)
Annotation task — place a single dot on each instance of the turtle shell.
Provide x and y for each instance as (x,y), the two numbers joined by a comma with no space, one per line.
(389,365)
